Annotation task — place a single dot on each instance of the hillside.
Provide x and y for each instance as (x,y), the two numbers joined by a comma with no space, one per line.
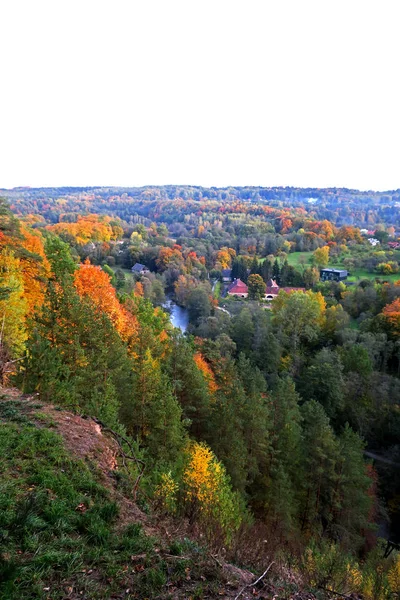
(70,529)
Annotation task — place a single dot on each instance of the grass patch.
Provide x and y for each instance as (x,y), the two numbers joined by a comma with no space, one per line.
(59,530)
(57,523)
(300,259)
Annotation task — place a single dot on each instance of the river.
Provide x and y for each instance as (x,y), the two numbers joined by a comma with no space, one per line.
(179,316)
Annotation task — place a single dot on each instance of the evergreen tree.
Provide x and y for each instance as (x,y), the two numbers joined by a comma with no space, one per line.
(351,506)
(266,270)
(254,417)
(255,267)
(68,361)
(190,387)
(323,381)
(226,435)
(153,415)
(242,331)
(319,457)
(276,272)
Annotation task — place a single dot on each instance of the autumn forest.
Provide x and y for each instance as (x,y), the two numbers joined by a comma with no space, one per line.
(270,424)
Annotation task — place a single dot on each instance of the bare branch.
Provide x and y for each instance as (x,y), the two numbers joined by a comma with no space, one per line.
(255,582)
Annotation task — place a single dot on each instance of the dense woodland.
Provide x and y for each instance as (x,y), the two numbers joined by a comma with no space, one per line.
(261,420)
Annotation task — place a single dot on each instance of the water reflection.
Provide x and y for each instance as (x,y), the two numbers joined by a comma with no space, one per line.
(179,316)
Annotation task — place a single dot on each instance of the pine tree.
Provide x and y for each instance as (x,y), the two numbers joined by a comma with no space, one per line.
(352,502)
(68,361)
(255,267)
(153,415)
(319,457)
(190,387)
(284,465)
(266,270)
(276,272)
(242,331)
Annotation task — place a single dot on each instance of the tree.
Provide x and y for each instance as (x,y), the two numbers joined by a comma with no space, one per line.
(13,306)
(91,281)
(321,256)
(208,493)
(68,361)
(153,413)
(190,387)
(323,381)
(276,272)
(285,458)
(351,505)
(391,313)
(59,255)
(256,287)
(242,331)
(310,277)
(319,455)
(198,304)
(299,315)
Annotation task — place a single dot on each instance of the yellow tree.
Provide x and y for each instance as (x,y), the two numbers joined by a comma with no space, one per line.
(321,256)
(13,305)
(208,492)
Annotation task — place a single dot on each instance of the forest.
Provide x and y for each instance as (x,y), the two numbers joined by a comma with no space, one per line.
(270,427)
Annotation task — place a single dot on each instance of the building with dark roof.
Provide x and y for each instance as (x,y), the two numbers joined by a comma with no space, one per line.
(226,275)
(333,274)
(140,269)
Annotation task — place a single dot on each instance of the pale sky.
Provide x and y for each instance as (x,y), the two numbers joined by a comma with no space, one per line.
(221,92)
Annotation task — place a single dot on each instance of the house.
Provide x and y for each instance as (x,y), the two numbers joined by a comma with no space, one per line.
(140,269)
(333,274)
(226,275)
(373,241)
(272,289)
(394,245)
(238,288)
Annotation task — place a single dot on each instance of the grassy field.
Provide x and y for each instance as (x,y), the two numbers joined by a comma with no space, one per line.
(297,259)
(217,290)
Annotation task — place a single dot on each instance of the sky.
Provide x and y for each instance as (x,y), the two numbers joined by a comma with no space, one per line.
(213,93)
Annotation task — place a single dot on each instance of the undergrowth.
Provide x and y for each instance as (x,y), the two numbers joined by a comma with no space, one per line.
(58,524)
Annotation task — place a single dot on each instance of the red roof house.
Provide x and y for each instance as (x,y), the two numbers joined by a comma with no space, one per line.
(272,289)
(238,288)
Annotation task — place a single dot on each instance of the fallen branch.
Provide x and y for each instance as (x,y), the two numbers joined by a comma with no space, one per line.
(255,582)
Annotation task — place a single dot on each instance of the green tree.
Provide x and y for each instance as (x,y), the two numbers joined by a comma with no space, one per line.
(318,478)
(276,272)
(351,506)
(190,387)
(198,304)
(59,256)
(284,469)
(299,316)
(153,413)
(68,361)
(242,331)
(323,380)
(256,287)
